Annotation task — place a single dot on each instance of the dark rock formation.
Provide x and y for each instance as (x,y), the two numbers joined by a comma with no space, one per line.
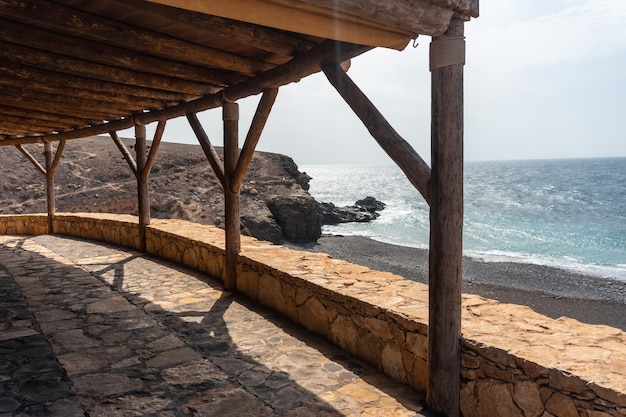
(298,217)
(364,210)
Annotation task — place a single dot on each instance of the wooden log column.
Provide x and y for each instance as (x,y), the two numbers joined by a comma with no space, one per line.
(446,221)
(230,116)
(143,192)
(52,162)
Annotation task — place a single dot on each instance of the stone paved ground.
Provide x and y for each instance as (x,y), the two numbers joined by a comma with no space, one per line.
(89,329)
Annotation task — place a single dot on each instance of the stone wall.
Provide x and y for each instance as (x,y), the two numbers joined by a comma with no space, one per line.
(515,362)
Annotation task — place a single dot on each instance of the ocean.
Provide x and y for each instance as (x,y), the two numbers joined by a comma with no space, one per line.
(565,213)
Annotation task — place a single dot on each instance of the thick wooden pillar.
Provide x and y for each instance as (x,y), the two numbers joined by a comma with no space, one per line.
(50,197)
(446,222)
(52,162)
(230,116)
(143,193)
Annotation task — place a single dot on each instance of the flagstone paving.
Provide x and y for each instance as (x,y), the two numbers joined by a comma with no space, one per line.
(90,329)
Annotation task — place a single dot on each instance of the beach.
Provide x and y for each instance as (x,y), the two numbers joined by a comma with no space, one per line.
(549,291)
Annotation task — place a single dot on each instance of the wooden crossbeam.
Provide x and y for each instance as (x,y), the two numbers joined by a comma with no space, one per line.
(125,152)
(32,159)
(403,154)
(252,138)
(207,147)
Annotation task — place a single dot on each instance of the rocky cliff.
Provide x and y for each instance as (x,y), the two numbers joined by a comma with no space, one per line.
(93,177)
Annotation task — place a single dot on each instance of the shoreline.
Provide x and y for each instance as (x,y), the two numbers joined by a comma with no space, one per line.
(548,290)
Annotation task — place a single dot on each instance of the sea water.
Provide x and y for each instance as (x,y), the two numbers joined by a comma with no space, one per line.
(567,213)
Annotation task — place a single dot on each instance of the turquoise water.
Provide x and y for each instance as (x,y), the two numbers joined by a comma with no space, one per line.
(568,213)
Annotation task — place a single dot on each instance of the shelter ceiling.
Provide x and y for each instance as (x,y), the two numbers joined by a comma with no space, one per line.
(73,68)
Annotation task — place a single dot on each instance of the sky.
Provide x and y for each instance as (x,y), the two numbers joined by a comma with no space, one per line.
(543,79)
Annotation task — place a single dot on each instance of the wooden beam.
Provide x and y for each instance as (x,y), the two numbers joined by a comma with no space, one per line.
(295,16)
(143,192)
(109,55)
(64,104)
(446,235)
(296,69)
(260,37)
(207,147)
(67,65)
(417,16)
(57,158)
(52,161)
(53,79)
(125,152)
(254,134)
(154,147)
(230,115)
(9,127)
(29,121)
(72,21)
(403,154)
(49,116)
(89,91)
(32,159)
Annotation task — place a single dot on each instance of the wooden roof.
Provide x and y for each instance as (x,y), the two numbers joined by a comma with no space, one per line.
(74,68)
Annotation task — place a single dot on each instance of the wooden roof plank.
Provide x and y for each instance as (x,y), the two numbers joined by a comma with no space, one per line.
(30,121)
(47,115)
(55,17)
(63,64)
(96,52)
(61,104)
(264,38)
(28,73)
(105,98)
(416,16)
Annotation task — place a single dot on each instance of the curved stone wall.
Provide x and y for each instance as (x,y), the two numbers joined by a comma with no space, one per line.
(515,362)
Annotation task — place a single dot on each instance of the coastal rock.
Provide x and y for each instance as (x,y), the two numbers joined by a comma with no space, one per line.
(364,210)
(297,216)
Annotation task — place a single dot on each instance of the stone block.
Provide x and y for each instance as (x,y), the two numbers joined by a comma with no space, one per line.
(565,381)
(561,406)
(526,396)
(393,363)
(343,332)
(313,316)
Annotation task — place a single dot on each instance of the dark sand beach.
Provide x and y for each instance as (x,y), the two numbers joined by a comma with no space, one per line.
(550,291)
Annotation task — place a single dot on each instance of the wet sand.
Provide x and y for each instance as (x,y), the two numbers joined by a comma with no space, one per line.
(550,291)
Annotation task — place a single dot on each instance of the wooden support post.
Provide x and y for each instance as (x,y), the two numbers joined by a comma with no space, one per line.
(143,193)
(52,161)
(230,116)
(446,222)
(51,206)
